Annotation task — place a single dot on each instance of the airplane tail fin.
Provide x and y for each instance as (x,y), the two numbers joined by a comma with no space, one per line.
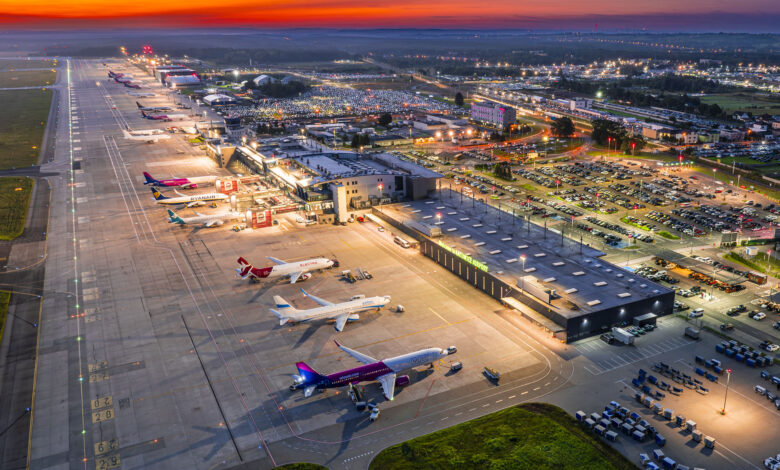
(244,268)
(283,310)
(138,104)
(306,373)
(149,179)
(157,194)
(174,218)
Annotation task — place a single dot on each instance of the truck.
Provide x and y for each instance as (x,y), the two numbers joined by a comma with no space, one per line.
(691,332)
(623,336)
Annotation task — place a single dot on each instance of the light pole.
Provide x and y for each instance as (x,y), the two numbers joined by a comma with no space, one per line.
(522,285)
(726,395)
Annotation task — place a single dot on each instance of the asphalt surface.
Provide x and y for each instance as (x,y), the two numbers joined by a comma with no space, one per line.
(153,355)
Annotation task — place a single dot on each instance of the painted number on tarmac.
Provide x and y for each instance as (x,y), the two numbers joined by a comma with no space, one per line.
(102,415)
(98,377)
(104,463)
(91,318)
(97,366)
(104,447)
(102,402)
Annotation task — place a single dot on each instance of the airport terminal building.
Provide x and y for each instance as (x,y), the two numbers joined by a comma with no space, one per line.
(560,284)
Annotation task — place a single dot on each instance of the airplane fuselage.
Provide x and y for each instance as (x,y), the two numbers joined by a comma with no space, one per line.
(197,198)
(281,270)
(335,310)
(373,371)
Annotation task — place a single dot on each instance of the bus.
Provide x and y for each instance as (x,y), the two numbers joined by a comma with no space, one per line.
(402,242)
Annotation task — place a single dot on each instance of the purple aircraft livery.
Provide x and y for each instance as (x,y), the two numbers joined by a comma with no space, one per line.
(184,183)
(385,371)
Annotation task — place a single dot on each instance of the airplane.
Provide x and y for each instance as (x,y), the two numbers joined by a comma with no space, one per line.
(165,117)
(208,221)
(155,117)
(132,85)
(189,201)
(384,371)
(341,312)
(184,183)
(146,138)
(112,74)
(146,131)
(297,270)
(153,108)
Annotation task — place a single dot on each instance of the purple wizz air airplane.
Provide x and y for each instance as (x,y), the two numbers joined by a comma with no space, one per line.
(384,371)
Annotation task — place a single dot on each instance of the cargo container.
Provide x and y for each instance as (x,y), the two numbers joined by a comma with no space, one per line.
(611,436)
(668,464)
(580,415)
(750,362)
(699,360)
(600,430)
(638,436)
(719,348)
(679,420)
(652,379)
(660,440)
(627,429)
(590,423)
(669,414)
(690,425)
(696,436)
(648,402)
(709,442)
(730,352)
(711,378)
(739,357)
(699,371)
(623,336)
(658,454)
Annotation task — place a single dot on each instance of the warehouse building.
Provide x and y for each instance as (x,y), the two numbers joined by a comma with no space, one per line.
(558,283)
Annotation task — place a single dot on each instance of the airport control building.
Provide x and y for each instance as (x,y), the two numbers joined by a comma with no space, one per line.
(558,283)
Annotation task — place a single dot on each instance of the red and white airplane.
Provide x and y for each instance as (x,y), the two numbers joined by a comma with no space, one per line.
(296,270)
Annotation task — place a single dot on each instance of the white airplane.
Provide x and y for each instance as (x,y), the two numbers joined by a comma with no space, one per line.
(189,201)
(148,138)
(296,270)
(146,132)
(208,221)
(341,312)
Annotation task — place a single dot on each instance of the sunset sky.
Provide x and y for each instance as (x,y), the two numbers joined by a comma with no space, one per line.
(662,14)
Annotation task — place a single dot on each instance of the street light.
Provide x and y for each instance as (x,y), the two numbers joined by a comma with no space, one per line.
(522,284)
(726,395)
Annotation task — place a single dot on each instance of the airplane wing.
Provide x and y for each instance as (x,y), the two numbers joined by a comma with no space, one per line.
(198,214)
(309,390)
(320,301)
(277,260)
(359,356)
(212,223)
(177,192)
(341,320)
(387,382)
(294,277)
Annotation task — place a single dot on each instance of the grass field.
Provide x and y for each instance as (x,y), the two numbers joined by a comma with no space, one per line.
(14,199)
(527,186)
(23,116)
(14,64)
(670,236)
(664,157)
(755,103)
(27,78)
(535,436)
(5,298)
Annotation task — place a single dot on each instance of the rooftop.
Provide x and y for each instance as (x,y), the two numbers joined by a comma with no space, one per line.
(584,282)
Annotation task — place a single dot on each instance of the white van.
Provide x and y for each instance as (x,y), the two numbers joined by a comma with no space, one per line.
(402,242)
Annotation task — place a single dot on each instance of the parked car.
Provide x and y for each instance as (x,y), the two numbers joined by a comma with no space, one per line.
(759,316)
(726,326)
(696,313)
